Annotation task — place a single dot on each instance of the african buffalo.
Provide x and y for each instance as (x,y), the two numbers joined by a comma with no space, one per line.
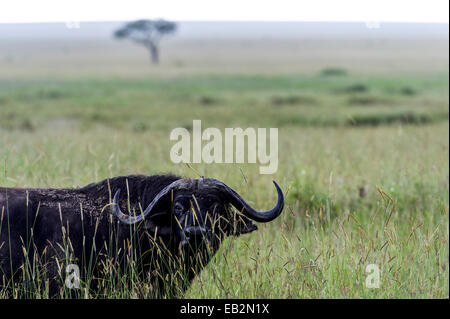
(105,224)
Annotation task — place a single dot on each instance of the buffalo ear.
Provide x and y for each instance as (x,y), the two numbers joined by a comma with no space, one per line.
(159,223)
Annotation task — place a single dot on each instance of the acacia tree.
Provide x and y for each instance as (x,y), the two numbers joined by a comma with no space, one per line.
(147,33)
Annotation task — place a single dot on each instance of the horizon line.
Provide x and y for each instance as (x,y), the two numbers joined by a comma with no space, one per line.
(233,21)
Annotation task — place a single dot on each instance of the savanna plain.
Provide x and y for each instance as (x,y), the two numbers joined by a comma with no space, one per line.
(363,150)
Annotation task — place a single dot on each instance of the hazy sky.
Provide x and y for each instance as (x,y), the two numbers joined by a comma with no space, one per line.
(225,10)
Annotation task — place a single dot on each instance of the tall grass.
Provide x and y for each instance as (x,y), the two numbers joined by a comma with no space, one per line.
(330,229)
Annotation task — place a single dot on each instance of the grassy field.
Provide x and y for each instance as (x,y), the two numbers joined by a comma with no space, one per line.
(363,160)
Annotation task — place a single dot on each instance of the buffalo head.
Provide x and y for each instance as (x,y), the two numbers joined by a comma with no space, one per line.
(199,210)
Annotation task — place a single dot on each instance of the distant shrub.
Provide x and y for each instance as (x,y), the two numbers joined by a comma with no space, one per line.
(302,120)
(26,125)
(356,88)
(188,126)
(333,72)
(208,100)
(292,100)
(139,126)
(97,117)
(11,121)
(50,94)
(408,91)
(384,119)
(368,100)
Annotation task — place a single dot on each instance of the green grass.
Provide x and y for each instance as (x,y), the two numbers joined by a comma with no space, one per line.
(396,147)
(277,100)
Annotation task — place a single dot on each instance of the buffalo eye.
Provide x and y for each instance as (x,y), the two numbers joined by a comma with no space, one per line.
(178,209)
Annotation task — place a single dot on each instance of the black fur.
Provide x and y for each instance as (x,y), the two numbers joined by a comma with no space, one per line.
(40,219)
